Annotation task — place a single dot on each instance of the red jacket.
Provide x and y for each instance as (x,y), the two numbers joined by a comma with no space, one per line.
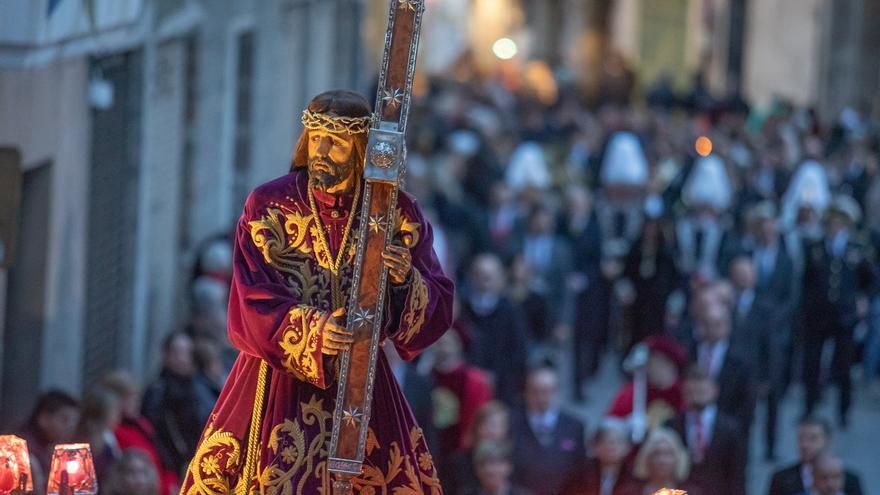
(138,434)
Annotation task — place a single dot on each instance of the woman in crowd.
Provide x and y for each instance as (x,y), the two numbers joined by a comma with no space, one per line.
(491,424)
(135,432)
(101,414)
(662,462)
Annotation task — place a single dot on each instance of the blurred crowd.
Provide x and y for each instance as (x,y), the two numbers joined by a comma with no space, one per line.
(718,254)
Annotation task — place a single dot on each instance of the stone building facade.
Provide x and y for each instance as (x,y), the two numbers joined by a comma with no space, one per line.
(141,125)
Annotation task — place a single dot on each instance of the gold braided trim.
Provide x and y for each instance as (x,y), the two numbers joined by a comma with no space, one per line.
(322,247)
(339,125)
(253,446)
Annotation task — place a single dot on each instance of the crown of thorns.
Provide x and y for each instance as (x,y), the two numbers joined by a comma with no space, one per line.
(325,122)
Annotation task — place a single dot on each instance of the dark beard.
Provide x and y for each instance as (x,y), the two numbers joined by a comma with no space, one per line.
(327,179)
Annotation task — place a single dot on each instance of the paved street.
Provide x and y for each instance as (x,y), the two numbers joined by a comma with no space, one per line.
(858,446)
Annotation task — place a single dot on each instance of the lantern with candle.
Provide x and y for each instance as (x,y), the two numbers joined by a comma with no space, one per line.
(73,471)
(15,466)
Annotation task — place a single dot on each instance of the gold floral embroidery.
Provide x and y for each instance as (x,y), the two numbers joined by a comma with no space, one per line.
(210,465)
(414,317)
(279,234)
(298,459)
(287,238)
(426,461)
(417,475)
(216,462)
(299,343)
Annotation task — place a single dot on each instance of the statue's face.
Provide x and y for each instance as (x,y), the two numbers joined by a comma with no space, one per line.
(330,160)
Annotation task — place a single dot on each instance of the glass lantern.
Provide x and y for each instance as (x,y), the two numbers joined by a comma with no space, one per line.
(73,471)
(15,466)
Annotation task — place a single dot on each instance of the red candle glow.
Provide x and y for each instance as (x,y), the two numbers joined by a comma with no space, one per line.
(76,461)
(14,462)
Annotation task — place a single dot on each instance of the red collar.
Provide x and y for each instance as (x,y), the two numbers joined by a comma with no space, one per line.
(328,199)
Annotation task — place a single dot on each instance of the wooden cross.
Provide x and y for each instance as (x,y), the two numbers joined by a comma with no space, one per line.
(383,170)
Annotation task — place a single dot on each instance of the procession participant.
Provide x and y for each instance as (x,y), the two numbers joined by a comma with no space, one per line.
(838,277)
(663,396)
(293,266)
(703,233)
(615,225)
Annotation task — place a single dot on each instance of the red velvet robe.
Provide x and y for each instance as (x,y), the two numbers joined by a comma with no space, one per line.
(283,287)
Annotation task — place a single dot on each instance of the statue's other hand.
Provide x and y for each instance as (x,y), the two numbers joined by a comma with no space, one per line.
(334,334)
(398,260)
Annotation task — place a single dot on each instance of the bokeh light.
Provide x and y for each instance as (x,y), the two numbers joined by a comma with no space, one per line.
(505,49)
(703,146)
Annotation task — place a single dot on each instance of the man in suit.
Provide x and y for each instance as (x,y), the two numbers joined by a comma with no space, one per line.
(837,278)
(762,309)
(498,327)
(607,473)
(814,440)
(548,257)
(713,439)
(548,443)
(830,478)
(713,354)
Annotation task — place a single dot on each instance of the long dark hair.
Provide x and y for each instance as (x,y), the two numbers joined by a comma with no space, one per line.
(339,103)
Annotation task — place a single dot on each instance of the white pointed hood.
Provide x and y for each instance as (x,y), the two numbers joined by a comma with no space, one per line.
(808,188)
(708,184)
(624,163)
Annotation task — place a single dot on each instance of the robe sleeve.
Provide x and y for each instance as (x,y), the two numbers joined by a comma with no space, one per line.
(421,311)
(265,320)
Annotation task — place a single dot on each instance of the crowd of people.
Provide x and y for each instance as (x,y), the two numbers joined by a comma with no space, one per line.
(717,252)
(141,439)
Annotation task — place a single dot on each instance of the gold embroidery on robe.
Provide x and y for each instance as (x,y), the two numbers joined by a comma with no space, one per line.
(295,458)
(299,343)
(418,473)
(307,286)
(407,229)
(279,234)
(215,464)
(414,317)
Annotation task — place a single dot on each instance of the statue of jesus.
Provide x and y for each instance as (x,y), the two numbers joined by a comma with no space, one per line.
(293,264)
